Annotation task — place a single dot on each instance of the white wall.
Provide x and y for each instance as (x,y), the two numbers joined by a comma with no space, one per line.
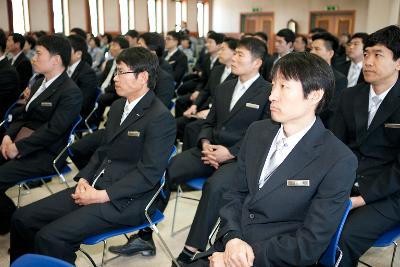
(141,20)
(284,10)
(77,14)
(39,15)
(111,16)
(3,15)
(192,16)
(382,13)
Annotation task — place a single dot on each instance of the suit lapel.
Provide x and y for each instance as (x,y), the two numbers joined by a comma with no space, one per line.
(250,92)
(387,107)
(77,71)
(306,151)
(136,113)
(48,91)
(361,112)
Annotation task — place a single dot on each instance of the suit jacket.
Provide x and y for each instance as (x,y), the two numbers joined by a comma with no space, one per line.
(24,69)
(227,128)
(206,71)
(165,87)
(340,84)
(344,68)
(165,66)
(288,225)
(134,156)
(267,67)
(9,86)
(377,148)
(85,77)
(111,87)
(179,64)
(51,115)
(205,95)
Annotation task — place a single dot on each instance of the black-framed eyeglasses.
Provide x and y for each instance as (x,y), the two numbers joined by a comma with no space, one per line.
(117,72)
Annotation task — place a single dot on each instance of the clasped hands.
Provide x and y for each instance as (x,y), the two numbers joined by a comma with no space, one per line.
(214,155)
(237,254)
(86,194)
(8,149)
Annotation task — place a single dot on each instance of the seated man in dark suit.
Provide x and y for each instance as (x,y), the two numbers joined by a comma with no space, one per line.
(107,87)
(324,45)
(293,178)
(9,86)
(367,121)
(201,105)
(41,129)
(121,177)
(352,68)
(175,57)
(15,45)
(82,74)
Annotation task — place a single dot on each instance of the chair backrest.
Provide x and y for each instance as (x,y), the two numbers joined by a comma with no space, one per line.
(328,259)
(71,137)
(39,260)
(8,116)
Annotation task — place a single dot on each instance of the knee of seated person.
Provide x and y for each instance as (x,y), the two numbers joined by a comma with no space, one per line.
(19,218)
(43,237)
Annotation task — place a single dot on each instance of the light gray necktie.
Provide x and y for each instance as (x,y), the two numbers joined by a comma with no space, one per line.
(375,104)
(274,161)
(124,114)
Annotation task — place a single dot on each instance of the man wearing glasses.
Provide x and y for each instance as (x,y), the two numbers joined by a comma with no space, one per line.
(121,177)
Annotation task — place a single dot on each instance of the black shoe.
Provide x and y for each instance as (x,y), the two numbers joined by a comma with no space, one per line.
(184,258)
(135,245)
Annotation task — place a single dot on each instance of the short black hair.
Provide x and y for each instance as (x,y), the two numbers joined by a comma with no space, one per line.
(18,38)
(31,41)
(96,41)
(217,37)
(256,47)
(175,35)
(140,59)
(155,42)
(303,38)
(39,34)
(231,42)
(132,33)
(388,37)
(3,41)
(287,34)
(330,41)
(108,37)
(77,43)
(362,35)
(79,32)
(123,43)
(57,45)
(262,35)
(311,71)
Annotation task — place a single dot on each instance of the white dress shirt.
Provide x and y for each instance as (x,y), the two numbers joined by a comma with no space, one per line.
(170,54)
(375,102)
(225,74)
(110,75)
(288,144)
(240,89)
(15,57)
(45,84)
(128,108)
(354,73)
(72,68)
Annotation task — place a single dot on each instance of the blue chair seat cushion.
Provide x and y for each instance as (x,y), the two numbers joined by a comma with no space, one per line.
(64,171)
(197,183)
(39,260)
(156,218)
(387,238)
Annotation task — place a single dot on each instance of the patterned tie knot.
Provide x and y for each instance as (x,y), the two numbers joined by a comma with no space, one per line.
(280,144)
(376,100)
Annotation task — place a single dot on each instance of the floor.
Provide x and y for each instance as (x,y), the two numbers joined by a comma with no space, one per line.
(375,257)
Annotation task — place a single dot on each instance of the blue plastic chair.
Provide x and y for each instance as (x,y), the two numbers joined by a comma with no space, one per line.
(152,221)
(29,260)
(59,173)
(333,255)
(7,116)
(387,239)
(197,184)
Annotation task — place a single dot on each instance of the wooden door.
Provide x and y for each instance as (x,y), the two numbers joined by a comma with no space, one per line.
(259,22)
(336,22)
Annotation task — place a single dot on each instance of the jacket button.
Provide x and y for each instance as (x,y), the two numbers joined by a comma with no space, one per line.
(251,216)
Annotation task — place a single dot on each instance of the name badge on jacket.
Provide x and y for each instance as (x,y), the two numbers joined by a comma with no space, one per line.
(171,62)
(251,105)
(46,104)
(298,182)
(134,133)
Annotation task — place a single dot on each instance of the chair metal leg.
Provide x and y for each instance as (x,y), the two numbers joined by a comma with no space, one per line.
(155,230)
(19,195)
(88,256)
(47,186)
(394,252)
(104,252)
(339,258)
(178,195)
(213,232)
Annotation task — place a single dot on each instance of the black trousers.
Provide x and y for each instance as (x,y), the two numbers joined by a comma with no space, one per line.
(362,228)
(188,165)
(83,149)
(55,226)
(191,133)
(104,101)
(14,171)
(182,103)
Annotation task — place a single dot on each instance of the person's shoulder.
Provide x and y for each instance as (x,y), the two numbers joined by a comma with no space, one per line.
(261,126)
(335,148)
(355,90)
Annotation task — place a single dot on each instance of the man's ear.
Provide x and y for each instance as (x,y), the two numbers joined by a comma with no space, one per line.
(315,96)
